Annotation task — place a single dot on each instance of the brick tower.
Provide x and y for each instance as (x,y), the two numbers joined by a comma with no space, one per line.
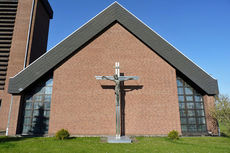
(24,26)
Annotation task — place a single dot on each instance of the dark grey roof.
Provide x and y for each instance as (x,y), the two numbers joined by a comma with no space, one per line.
(114,13)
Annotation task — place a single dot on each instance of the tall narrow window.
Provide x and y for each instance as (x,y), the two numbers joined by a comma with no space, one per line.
(191,107)
(37,108)
(0,103)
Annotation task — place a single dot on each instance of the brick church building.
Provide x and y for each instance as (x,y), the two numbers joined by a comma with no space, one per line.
(58,89)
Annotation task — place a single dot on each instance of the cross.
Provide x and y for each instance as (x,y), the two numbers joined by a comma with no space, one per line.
(117,79)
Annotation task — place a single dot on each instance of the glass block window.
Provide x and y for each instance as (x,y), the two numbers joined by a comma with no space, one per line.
(37,108)
(191,107)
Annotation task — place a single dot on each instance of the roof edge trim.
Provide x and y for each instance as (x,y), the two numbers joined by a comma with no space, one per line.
(63,40)
(114,12)
(166,40)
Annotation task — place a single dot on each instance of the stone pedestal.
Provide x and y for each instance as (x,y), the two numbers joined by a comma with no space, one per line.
(122,139)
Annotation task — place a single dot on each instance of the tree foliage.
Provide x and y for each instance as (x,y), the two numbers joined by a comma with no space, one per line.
(221,111)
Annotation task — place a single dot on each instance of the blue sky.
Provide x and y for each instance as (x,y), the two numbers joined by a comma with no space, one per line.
(200,29)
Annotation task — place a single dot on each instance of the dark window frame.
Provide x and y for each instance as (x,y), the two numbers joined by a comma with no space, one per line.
(29,121)
(186,109)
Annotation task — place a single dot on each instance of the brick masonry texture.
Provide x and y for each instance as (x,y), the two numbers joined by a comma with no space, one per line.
(81,104)
(17,54)
(86,106)
(37,46)
(211,123)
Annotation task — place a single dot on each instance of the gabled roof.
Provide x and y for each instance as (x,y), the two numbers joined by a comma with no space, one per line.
(114,13)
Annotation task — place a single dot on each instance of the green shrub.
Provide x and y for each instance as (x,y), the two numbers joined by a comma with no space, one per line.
(173,135)
(62,134)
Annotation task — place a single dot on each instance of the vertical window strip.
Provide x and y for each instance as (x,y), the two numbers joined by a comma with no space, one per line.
(191,108)
(37,109)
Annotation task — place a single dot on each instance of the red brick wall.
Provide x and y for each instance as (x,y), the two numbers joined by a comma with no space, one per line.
(14,115)
(81,105)
(39,34)
(209,102)
(17,55)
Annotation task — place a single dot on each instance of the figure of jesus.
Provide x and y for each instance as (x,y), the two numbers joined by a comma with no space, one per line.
(117,79)
(117,86)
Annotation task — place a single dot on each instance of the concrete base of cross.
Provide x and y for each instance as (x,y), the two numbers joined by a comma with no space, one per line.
(119,139)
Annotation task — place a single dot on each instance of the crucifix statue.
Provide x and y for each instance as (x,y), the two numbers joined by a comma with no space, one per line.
(117,79)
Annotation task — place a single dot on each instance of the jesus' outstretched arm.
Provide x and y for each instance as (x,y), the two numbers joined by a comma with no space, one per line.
(126,79)
(107,78)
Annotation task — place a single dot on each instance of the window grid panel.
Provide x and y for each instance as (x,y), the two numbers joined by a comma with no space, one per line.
(37,109)
(191,108)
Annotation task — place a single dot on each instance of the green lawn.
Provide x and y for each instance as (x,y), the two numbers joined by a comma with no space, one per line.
(91,145)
